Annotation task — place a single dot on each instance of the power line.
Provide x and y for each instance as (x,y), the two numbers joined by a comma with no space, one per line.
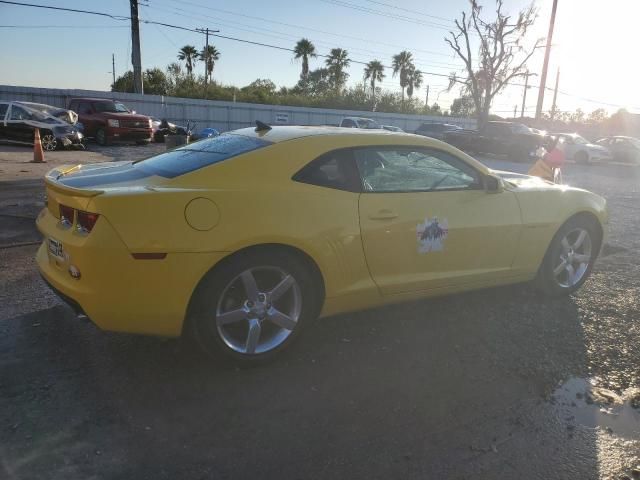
(168,25)
(310,29)
(285,36)
(115,17)
(396,7)
(64,26)
(381,13)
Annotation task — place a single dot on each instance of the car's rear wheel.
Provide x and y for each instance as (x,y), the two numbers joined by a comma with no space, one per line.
(254,306)
(143,142)
(570,257)
(49,141)
(101,137)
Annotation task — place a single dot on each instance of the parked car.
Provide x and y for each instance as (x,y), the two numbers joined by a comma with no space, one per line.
(19,120)
(435,130)
(162,128)
(392,128)
(111,121)
(501,138)
(623,149)
(359,122)
(580,150)
(177,224)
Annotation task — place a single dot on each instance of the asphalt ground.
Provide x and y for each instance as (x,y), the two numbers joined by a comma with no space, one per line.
(499,383)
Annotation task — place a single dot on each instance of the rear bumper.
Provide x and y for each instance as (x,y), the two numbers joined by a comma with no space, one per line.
(117,292)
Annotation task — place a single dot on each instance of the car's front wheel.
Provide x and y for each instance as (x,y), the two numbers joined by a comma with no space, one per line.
(570,257)
(49,141)
(101,137)
(254,306)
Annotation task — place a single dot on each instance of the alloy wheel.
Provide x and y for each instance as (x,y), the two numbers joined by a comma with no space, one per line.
(573,261)
(258,310)
(49,142)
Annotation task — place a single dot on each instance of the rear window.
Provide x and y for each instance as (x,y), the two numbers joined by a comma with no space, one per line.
(200,154)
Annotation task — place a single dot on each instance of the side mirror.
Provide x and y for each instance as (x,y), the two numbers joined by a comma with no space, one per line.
(492,184)
(133,112)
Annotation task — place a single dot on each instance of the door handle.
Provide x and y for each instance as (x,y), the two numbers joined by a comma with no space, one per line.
(383,215)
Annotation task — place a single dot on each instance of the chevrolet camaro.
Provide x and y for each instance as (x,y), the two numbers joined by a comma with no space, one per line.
(243,239)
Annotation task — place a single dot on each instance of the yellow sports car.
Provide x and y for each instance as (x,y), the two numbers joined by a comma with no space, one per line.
(243,239)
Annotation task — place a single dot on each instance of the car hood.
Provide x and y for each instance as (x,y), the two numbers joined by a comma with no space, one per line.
(597,148)
(520,181)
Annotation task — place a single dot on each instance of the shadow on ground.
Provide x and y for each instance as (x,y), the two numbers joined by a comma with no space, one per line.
(448,388)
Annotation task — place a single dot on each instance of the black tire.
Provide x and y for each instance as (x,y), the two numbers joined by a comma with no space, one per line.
(101,137)
(202,324)
(546,281)
(49,141)
(143,142)
(582,158)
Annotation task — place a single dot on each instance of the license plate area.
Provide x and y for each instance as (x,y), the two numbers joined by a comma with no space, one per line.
(55,248)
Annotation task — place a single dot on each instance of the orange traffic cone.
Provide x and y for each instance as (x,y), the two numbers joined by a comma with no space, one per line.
(38,154)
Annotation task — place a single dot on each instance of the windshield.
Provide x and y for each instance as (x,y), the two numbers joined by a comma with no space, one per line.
(520,128)
(27,113)
(580,140)
(200,154)
(111,107)
(366,123)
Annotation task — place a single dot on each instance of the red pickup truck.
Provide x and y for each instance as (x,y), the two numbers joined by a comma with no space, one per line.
(110,121)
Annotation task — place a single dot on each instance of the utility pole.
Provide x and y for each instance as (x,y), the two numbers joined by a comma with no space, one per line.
(555,95)
(545,65)
(136,58)
(515,111)
(206,58)
(113,67)
(426,102)
(524,95)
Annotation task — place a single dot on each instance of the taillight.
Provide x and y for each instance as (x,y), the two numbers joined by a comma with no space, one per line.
(86,221)
(66,215)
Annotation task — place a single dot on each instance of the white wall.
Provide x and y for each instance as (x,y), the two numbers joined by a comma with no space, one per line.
(221,115)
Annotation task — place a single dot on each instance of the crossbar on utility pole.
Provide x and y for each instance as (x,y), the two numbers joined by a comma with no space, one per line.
(524,95)
(545,65)
(136,57)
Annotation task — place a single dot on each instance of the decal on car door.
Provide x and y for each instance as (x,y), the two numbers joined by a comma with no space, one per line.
(431,235)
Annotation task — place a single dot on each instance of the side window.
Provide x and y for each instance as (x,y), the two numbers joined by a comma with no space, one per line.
(19,113)
(403,169)
(347,122)
(334,169)
(3,110)
(84,108)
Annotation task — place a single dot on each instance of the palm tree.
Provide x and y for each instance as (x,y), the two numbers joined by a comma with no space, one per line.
(402,64)
(304,49)
(210,55)
(414,81)
(337,62)
(374,71)
(189,54)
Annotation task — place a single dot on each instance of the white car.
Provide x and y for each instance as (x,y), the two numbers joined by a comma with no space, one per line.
(359,122)
(580,150)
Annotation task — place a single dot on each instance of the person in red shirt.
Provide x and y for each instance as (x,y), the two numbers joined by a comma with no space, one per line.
(549,166)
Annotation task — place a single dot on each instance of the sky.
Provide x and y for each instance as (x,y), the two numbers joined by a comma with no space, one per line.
(593,44)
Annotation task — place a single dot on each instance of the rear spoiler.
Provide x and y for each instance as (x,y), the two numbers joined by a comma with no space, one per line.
(51,181)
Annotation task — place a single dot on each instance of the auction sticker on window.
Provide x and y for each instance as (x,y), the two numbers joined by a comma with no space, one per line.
(432,234)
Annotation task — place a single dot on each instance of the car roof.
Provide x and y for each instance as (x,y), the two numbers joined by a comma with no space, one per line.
(89,99)
(290,132)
